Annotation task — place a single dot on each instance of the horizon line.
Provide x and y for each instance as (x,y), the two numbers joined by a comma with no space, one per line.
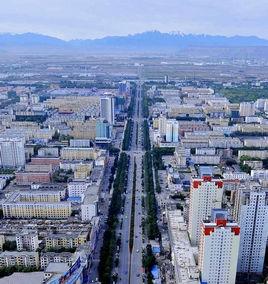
(132,34)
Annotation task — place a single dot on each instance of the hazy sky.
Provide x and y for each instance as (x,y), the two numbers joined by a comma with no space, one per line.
(69,19)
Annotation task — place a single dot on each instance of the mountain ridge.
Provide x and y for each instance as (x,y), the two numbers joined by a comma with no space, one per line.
(146,41)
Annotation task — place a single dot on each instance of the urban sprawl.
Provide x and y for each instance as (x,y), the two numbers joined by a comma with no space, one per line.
(114,177)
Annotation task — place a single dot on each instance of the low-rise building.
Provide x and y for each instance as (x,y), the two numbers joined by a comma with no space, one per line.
(22,259)
(205,159)
(62,257)
(27,240)
(16,206)
(183,254)
(89,207)
(66,240)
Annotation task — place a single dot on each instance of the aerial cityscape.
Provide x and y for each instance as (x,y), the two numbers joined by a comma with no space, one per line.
(132,155)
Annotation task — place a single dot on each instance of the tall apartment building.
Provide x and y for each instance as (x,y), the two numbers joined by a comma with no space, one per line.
(27,240)
(107,109)
(172,130)
(12,152)
(205,194)
(251,213)
(218,251)
(247,109)
(162,123)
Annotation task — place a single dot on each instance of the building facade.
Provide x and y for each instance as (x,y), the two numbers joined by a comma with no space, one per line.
(205,194)
(251,213)
(12,152)
(218,251)
(107,109)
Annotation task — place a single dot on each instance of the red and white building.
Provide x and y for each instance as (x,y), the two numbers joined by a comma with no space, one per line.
(218,251)
(205,194)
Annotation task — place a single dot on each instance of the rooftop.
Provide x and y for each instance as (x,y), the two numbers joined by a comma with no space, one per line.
(186,269)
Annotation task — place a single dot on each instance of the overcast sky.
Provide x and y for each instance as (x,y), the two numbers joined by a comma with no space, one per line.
(68,19)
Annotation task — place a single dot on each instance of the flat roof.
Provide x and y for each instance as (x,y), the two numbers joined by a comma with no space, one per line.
(183,253)
(23,278)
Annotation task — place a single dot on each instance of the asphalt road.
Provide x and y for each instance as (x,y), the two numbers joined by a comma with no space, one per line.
(130,264)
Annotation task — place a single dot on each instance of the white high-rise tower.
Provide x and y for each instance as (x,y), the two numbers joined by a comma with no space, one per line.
(251,212)
(107,109)
(218,250)
(205,194)
(12,152)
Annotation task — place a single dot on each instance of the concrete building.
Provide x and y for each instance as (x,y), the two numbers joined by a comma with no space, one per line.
(12,152)
(80,143)
(205,194)
(107,109)
(172,131)
(205,159)
(162,125)
(251,213)
(259,174)
(89,207)
(180,156)
(182,253)
(27,240)
(69,153)
(247,109)
(103,130)
(18,206)
(218,251)
(62,257)
(77,188)
(66,240)
(14,258)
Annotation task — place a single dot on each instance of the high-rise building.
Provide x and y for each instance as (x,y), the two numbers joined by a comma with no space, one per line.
(107,109)
(103,130)
(162,123)
(123,88)
(251,213)
(12,152)
(172,130)
(247,109)
(218,251)
(205,194)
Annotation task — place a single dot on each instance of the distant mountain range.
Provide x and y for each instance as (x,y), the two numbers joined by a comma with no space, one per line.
(152,41)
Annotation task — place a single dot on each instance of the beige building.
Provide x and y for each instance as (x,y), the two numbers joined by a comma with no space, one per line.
(66,240)
(14,258)
(69,153)
(20,205)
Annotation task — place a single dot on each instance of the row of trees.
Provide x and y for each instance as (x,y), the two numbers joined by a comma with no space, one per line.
(5,271)
(158,163)
(146,136)
(145,106)
(151,203)
(131,237)
(148,261)
(131,107)
(108,249)
(127,135)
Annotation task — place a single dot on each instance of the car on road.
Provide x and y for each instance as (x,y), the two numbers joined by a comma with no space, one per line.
(137,250)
